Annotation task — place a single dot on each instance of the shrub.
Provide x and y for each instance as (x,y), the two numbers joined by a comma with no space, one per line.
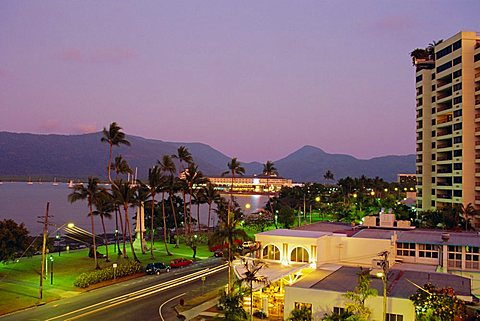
(88,278)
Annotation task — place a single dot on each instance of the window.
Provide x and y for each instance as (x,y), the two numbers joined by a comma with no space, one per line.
(444,67)
(434,99)
(433,87)
(433,76)
(457,139)
(419,78)
(457,113)
(457,166)
(457,87)
(420,90)
(300,305)
(457,73)
(457,45)
(457,180)
(428,251)
(433,109)
(271,252)
(445,51)
(338,310)
(433,191)
(433,144)
(434,121)
(472,257)
(299,254)
(457,100)
(457,61)
(432,203)
(433,133)
(433,156)
(405,249)
(454,256)
(433,168)
(394,317)
(457,193)
(457,126)
(457,153)
(476,57)
(433,180)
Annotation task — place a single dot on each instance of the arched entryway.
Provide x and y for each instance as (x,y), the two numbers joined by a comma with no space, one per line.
(271,252)
(299,254)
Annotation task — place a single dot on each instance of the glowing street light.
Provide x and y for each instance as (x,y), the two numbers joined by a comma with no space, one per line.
(247,206)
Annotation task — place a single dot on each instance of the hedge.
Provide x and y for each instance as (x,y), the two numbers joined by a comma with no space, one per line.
(88,278)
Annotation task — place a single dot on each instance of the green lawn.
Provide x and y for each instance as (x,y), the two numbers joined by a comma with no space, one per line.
(19,281)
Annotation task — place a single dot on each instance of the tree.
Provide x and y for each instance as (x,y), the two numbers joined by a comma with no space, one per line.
(153,187)
(114,137)
(124,195)
(328,176)
(183,155)
(104,207)
(269,170)
(211,196)
(120,166)
(437,304)
(250,276)
(259,220)
(193,178)
(170,184)
(229,230)
(360,295)
(13,239)
(301,314)
(286,216)
(231,303)
(91,194)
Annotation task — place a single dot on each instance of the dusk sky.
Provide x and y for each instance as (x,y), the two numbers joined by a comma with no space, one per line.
(254,79)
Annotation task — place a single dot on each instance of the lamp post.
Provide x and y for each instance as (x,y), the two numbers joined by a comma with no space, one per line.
(384,275)
(51,269)
(57,240)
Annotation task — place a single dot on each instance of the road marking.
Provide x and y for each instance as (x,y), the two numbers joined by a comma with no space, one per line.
(160,308)
(100,306)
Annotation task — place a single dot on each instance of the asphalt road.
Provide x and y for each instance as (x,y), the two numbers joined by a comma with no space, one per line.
(137,299)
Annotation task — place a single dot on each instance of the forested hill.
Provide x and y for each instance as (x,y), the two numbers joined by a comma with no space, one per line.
(79,156)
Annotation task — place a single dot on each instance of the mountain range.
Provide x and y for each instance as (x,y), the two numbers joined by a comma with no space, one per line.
(79,156)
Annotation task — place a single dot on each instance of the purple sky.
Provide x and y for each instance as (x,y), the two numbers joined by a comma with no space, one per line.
(253,79)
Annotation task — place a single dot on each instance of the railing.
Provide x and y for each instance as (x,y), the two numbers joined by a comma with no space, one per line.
(447,196)
(444,158)
(443,107)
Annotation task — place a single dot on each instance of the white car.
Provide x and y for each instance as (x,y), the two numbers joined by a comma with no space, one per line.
(248,244)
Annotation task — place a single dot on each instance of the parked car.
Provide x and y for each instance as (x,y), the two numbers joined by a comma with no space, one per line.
(218,253)
(248,245)
(180,263)
(157,268)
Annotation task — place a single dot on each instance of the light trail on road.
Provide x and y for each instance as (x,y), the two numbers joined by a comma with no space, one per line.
(110,303)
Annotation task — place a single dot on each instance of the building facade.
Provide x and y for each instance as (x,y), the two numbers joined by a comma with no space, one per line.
(448,123)
(250,184)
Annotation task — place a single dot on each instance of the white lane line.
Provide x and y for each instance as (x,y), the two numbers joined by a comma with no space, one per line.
(160,308)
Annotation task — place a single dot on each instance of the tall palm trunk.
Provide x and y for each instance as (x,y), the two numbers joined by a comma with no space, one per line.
(93,233)
(105,238)
(127,223)
(117,244)
(110,163)
(124,234)
(152,232)
(209,211)
(185,224)
(164,224)
(174,219)
(198,215)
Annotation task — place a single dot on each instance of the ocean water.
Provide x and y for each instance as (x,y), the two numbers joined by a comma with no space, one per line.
(25,203)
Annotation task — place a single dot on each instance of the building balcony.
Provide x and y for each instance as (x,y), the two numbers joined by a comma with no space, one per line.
(443,107)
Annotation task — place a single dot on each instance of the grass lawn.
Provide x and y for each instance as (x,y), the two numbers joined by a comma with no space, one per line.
(20,281)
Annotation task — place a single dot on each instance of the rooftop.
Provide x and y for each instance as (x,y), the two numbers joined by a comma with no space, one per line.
(294,233)
(401,283)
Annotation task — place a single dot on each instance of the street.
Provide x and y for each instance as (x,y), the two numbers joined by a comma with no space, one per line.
(138,299)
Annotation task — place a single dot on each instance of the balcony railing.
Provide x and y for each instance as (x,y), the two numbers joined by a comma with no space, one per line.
(447,196)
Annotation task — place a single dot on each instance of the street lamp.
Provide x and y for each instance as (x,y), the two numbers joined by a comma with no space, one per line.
(51,269)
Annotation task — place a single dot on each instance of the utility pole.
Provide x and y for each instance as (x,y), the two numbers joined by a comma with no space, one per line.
(45,232)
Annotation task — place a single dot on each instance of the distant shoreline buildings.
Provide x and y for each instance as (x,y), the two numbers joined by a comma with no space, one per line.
(257,184)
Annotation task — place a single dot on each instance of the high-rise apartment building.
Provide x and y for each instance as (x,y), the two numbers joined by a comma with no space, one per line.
(448,122)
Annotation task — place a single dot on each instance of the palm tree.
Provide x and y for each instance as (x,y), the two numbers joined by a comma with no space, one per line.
(153,187)
(193,177)
(234,167)
(120,166)
(114,137)
(170,186)
(252,267)
(328,176)
(104,207)
(124,195)
(229,230)
(211,195)
(89,193)
(269,170)
(468,212)
(183,155)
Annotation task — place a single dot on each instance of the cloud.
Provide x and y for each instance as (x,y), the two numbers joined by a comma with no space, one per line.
(98,56)
(85,128)
(50,126)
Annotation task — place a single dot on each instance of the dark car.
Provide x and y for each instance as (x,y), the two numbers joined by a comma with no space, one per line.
(180,263)
(218,253)
(157,268)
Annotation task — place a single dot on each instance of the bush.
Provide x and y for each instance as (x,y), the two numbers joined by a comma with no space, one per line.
(88,278)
